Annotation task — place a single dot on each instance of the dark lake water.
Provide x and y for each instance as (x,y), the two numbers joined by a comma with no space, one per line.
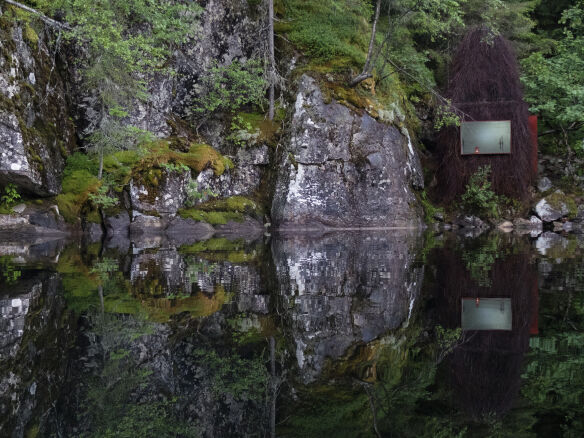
(353,334)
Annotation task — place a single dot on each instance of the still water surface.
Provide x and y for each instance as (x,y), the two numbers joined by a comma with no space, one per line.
(393,334)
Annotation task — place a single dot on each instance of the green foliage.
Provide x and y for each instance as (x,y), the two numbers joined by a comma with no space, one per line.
(101,199)
(478,197)
(445,116)
(228,88)
(80,161)
(194,194)
(480,258)
(175,167)
(240,131)
(10,273)
(123,39)
(429,209)
(235,376)
(10,196)
(330,29)
(554,80)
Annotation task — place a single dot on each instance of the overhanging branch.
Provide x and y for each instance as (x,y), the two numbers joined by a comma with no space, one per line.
(39,14)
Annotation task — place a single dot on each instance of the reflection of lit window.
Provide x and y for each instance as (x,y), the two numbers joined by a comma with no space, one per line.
(486,314)
(487,137)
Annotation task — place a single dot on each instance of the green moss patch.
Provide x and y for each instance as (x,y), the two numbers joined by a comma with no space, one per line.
(215,244)
(234,203)
(77,185)
(221,211)
(199,157)
(211,217)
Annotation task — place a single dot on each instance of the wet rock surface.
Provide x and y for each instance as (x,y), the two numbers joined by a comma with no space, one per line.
(343,289)
(343,169)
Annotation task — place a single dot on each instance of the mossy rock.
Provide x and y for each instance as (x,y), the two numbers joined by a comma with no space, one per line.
(238,204)
(558,200)
(211,217)
(198,158)
(222,211)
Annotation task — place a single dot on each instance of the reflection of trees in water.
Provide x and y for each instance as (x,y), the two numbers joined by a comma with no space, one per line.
(485,371)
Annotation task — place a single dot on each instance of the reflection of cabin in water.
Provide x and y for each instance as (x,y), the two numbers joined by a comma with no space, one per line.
(497,320)
(486,93)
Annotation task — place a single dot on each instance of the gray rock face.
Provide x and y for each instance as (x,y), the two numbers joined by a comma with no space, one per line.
(244,179)
(166,198)
(345,288)
(544,184)
(343,169)
(35,130)
(548,213)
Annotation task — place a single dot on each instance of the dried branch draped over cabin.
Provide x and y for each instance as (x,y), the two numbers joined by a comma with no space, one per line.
(484,85)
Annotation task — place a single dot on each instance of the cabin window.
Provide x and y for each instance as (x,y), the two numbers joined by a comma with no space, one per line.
(486,314)
(492,137)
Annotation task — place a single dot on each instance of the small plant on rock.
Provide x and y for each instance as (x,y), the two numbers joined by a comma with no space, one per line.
(101,199)
(194,194)
(10,196)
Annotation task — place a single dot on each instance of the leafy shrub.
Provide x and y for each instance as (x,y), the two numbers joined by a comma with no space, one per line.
(10,196)
(228,88)
(102,199)
(479,198)
(194,194)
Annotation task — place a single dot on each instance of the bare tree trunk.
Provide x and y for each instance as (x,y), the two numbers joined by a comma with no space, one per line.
(368,67)
(272,57)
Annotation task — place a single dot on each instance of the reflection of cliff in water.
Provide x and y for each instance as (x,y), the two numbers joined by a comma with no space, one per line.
(486,367)
(38,330)
(344,288)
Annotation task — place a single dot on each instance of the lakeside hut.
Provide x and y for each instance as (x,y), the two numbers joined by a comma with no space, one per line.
(486,93)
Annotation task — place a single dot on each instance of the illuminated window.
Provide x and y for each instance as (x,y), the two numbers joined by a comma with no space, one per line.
(492,137)
(486,314)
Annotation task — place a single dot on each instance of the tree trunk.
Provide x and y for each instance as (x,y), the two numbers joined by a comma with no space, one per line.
(100,173)
(368,67)
(272,57)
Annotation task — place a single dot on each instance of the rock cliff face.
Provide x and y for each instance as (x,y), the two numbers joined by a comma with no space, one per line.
(341,168)
(227,31)
(344,169)
(36,133)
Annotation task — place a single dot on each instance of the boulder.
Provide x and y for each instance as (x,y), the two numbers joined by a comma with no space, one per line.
(552,207)
(344,169)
